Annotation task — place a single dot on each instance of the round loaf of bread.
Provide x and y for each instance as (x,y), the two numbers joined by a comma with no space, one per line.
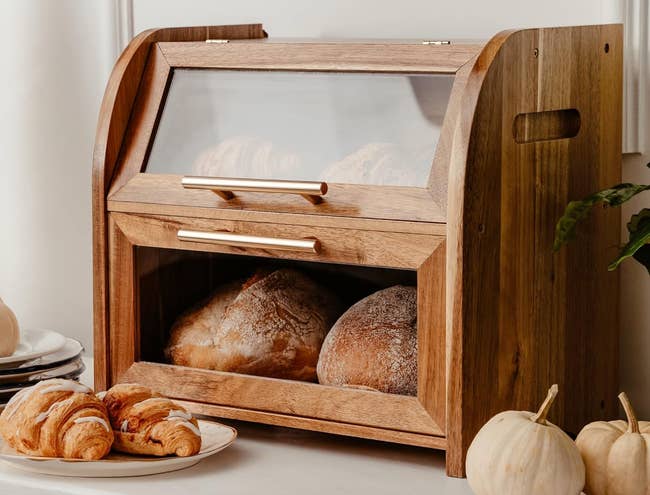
(380,164)
(243,156)
(273,325)
(192,339)
(374,344)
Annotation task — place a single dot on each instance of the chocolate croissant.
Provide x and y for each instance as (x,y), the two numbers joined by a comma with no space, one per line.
(146,423)
(57,418)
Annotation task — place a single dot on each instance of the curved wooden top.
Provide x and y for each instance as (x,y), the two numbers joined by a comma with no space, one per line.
(114,115)
(125,78)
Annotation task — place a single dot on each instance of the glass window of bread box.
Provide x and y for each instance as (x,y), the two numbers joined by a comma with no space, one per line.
(346,326)
(349,128)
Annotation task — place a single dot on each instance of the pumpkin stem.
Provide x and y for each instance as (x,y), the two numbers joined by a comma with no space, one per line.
(540,417)
(632,422)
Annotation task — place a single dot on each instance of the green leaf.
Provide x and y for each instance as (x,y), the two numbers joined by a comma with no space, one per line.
(639,241)
(565,230)
(643,256)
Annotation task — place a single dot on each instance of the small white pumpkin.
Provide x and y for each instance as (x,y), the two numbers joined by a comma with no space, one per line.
(617,455)
(521,453)
(9,334)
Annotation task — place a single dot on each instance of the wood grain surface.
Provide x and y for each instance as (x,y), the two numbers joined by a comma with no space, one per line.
(522,317)
(335,427)
(432,335)
(114,115)
(289,397)
(412,204)
(140,208)
(354,247)
(351,56)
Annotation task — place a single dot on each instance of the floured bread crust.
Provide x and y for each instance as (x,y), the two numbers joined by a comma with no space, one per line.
(374,344)
(272,325)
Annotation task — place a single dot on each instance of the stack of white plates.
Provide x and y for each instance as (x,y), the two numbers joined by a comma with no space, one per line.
(41,355)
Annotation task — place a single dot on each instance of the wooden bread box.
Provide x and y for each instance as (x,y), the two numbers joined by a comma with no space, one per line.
(440,163)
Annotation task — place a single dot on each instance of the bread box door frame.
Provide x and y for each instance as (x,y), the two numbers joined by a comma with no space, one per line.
(132,187)
(412,420)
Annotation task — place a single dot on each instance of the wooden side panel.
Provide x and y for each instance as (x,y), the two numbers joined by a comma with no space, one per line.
(592,298)
(522,317)
(122,294)
(432,348)
(114,116)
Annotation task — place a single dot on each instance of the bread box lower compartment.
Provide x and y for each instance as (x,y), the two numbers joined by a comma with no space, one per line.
(167,283)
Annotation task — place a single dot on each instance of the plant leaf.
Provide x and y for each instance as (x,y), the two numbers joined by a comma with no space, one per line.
(643,256)
(639,241)
(565,230)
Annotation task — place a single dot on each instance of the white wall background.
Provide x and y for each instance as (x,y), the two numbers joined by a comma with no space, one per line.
(57,55)
(56,58)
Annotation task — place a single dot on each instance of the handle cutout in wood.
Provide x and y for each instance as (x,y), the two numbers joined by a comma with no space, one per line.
(546,126)
(250,241)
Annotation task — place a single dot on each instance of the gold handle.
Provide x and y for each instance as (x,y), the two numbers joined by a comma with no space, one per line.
(250,241)
(224,187)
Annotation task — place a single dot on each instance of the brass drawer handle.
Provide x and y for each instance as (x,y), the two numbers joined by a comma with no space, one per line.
(250,241)
(224,187)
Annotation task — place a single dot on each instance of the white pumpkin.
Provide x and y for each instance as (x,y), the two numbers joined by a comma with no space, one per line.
(520,452)
(617,455)
(9,334)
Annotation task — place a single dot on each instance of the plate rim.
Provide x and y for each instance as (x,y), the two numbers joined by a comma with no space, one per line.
(15,387)
(33,355)
(45,366)
(8,457)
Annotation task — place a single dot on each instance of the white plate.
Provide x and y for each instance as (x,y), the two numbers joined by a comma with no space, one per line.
(33,344)
(70,351)
(214,437)
(31,377)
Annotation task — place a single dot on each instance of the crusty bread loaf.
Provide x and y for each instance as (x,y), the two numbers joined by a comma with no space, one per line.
(272,325)
(374,344)
(243,156)
(192,340)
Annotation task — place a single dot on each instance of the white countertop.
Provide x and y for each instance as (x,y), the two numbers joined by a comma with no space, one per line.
(272,460)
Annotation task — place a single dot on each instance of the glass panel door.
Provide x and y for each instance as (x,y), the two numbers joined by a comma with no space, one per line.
(349,128)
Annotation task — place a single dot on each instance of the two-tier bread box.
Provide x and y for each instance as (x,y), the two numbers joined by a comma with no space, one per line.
(249,192)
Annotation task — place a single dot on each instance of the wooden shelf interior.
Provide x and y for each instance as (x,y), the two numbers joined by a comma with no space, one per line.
(172,281)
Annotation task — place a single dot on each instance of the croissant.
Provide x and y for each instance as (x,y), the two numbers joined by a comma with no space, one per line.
(146,423)
(57,418)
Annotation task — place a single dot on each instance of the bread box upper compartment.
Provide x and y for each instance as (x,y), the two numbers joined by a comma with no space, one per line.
(342,129)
